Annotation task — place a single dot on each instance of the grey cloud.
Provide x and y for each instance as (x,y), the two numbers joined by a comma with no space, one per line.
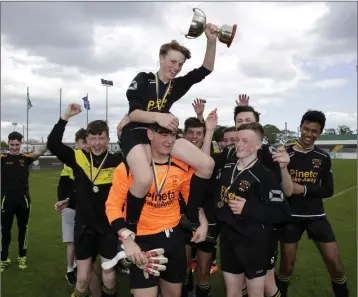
(262,69)
(337,29)
(54,71)
(63,31)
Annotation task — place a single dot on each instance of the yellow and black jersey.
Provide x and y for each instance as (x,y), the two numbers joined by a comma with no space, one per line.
(66,187)
(142,92)
(15,173)
(313,169)
(90,196)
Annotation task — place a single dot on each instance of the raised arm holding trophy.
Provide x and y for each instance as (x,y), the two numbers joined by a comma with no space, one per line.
(198,24)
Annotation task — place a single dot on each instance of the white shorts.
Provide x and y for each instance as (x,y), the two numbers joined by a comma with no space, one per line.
(68,224)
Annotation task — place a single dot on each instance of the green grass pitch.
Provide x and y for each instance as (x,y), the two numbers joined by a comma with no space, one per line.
(44,276)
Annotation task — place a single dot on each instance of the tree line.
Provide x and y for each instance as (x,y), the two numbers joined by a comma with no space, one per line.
(272,134)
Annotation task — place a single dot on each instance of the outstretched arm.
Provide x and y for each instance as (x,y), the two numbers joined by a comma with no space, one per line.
(54,142)
(209,59)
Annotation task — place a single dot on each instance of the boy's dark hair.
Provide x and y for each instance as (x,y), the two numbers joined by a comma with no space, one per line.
(239,109)
(159,129)
(97,127)
(15,136)
(314,116)
(227,129)
(174,46)
(193,122)
(81,134)
(256,127)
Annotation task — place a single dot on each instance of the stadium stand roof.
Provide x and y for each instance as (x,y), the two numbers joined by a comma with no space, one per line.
(337,139)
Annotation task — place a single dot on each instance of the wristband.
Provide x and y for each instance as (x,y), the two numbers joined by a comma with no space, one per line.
(125,234)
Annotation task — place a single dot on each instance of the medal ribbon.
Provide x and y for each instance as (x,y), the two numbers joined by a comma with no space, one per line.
(159,187)
(234,177)
(99,168)
(160,106)
(300,147)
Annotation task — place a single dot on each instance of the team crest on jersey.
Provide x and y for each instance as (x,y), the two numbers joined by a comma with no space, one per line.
(316,163)
(244,185)
(174,180)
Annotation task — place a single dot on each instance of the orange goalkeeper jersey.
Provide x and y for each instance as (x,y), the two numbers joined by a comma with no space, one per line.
(160,211)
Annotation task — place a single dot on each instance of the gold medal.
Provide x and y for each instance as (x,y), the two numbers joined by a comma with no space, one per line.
(159,186)
(95,189)
(220,204)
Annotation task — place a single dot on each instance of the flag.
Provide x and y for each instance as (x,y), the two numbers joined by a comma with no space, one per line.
(29,104)
(86,103)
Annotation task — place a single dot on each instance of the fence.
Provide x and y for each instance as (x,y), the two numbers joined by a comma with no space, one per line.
(46,163)
(350,156)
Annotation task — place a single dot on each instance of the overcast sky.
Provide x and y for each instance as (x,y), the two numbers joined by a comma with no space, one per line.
(289,57)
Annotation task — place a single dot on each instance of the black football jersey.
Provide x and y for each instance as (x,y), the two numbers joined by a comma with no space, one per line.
(265,202)
(313,169)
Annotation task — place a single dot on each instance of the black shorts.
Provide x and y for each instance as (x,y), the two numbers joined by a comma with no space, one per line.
(318,229)
(241,255)
(89,243)
(272,249)
(133,134)
(12,202)
(174,245)
(206,247)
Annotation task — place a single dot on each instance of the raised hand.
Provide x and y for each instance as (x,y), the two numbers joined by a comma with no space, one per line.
(211,120)
(243,100)
(211,32)
(72,110)
(281,156)
(199,106)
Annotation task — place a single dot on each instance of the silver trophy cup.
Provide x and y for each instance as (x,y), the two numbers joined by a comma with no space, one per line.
(226,33)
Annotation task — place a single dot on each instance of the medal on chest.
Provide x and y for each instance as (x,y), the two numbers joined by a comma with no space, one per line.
(95,188)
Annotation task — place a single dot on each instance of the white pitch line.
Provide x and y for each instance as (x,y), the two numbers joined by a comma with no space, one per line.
(342,192)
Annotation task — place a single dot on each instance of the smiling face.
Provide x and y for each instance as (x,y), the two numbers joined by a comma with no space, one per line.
(195,136)
(247,143)
(245,117)
(228,138)
(14,146)
(171,64)
(310,131)
(98,143)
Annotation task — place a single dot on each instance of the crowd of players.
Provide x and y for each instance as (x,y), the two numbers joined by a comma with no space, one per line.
(164,194)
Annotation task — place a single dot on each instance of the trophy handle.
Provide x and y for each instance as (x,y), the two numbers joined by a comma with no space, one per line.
(234,28)
(200,11)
